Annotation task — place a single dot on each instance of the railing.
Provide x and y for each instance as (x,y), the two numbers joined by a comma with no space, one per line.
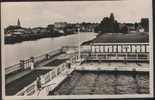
(32,61)
(50,75)
(12,68)
(46,56)
(32,88)
(116,56)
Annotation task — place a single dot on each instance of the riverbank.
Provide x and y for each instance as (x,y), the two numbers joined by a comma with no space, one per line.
(29,37)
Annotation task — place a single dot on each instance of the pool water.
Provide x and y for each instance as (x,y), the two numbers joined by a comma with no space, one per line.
(103,82)
(18,84)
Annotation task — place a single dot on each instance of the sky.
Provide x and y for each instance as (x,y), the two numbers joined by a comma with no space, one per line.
(35,14)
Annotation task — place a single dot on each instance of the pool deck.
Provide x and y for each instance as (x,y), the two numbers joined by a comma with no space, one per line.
(54,83)
(140,67)
(88,66)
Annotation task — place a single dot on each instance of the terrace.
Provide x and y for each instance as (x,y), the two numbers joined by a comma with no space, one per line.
(106,78)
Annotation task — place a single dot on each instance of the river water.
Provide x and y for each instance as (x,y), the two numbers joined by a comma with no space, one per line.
(23,50)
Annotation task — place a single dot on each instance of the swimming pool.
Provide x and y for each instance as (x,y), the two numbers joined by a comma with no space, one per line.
(103,82)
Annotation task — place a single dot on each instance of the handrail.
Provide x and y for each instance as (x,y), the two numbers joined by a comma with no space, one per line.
(31,89)
(45,78)
(27,62)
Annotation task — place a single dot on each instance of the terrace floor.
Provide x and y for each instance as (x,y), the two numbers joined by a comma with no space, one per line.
(129,66)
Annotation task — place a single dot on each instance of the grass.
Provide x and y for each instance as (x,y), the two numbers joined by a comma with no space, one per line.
(120,38)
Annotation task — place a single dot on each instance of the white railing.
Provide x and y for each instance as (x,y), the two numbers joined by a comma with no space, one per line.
(50,75)
(25,64)
(12,68)
(32,88)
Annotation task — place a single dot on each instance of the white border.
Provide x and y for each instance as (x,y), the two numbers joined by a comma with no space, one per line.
(84,96)
(2,59)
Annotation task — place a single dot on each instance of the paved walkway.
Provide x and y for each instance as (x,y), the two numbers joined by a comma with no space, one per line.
(54,83)
(141,67)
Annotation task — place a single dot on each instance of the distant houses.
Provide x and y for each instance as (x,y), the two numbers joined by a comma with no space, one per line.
(107,25)
(14,30)
(130,28)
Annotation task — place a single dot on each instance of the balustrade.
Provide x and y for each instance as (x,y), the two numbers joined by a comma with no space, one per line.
(31,62)
(32,88)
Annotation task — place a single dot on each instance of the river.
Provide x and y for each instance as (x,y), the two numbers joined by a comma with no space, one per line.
(20,51)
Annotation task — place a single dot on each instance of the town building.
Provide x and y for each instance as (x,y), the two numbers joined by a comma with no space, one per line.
(18,23)
(60,25)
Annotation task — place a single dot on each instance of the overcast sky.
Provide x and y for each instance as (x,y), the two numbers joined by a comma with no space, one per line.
(34,14)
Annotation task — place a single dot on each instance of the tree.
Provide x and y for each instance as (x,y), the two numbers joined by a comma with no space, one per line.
(112,18)
(145,24)
(108,24)
(124,29)
(136,26)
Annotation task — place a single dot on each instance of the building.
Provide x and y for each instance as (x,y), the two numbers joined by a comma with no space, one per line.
(18,23)
(131,27)
(14,29)
(140,28)
(145,24)
(87,27)
(125,47)
(60,25)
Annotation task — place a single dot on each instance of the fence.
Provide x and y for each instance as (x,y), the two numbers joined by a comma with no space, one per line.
(31,62)
(12,68)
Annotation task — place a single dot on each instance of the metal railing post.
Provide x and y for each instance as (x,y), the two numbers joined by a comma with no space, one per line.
(32,63)
(47,56)
(22,64)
